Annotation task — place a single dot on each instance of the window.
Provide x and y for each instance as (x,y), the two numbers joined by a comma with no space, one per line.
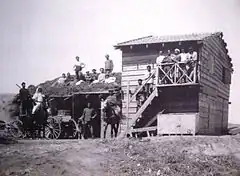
(226,76)
(211,64)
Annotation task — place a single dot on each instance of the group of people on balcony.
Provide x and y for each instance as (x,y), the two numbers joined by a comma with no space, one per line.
(186,62)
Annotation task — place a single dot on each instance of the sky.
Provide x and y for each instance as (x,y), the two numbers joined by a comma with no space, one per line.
(40,39)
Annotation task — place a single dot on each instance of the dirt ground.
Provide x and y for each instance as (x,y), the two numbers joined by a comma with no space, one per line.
(150,156)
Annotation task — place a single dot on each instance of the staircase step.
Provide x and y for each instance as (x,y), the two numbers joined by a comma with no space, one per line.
(132,104)
(130,110)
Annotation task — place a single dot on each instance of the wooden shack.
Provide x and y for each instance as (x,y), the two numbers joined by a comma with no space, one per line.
(197,106)
(74,104)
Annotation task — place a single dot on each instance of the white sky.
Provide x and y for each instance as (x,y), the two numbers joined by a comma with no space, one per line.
(39,39)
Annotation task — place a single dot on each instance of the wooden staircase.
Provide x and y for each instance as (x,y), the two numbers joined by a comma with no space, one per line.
(130,121)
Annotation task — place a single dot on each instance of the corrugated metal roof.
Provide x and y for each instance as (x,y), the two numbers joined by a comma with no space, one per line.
(168,38)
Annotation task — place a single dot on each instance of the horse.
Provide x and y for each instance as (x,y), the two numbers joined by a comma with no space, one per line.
(34,123)
(40,118)
(112,117)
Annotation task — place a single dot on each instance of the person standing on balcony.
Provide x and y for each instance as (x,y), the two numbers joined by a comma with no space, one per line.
(176,59)
(176,56)
(183,61)
(149,78)
(183,55)
(108,64)
(191,61)
(159,61)
(160,58)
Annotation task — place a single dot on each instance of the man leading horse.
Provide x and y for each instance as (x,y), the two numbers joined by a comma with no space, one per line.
(112,109)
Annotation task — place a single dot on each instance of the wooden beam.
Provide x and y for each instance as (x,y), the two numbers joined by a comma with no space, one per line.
(102,121)
(73,107)
(128,102)
(182,84)
(144,129)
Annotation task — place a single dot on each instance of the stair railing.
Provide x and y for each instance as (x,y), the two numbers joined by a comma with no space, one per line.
(134,95)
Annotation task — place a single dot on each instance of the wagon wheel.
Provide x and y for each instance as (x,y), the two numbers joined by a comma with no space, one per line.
(75,129)
(53,128)
(16,129)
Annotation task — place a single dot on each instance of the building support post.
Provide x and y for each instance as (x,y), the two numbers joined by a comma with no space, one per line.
(102,121)
(128,103)
(73,106)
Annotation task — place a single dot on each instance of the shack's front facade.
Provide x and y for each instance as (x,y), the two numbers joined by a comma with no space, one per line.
(199,105)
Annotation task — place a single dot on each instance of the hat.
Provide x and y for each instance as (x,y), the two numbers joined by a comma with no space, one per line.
(107,55)
(110,90)
(94,69)
(23,83)
(139,79)
(177,50)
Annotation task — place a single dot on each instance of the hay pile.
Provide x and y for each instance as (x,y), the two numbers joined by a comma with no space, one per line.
(71,87)
(10,107)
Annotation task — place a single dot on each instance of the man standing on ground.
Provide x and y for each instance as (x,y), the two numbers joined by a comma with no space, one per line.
(24,96)
(87,118)
(108,64)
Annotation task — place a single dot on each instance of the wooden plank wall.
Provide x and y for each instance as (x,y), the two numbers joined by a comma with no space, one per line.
(134,64)
(214,96)
(134,67)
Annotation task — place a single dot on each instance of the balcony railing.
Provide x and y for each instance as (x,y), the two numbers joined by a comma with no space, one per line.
(180,73)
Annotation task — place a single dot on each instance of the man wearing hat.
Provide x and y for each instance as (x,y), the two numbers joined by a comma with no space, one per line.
(108,64)
(94,75)
(111,99)
(24,96)
(118,94)
(88,77)
(177,56)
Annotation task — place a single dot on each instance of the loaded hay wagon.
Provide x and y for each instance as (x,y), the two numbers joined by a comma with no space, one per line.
(182,102)
(66,110)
